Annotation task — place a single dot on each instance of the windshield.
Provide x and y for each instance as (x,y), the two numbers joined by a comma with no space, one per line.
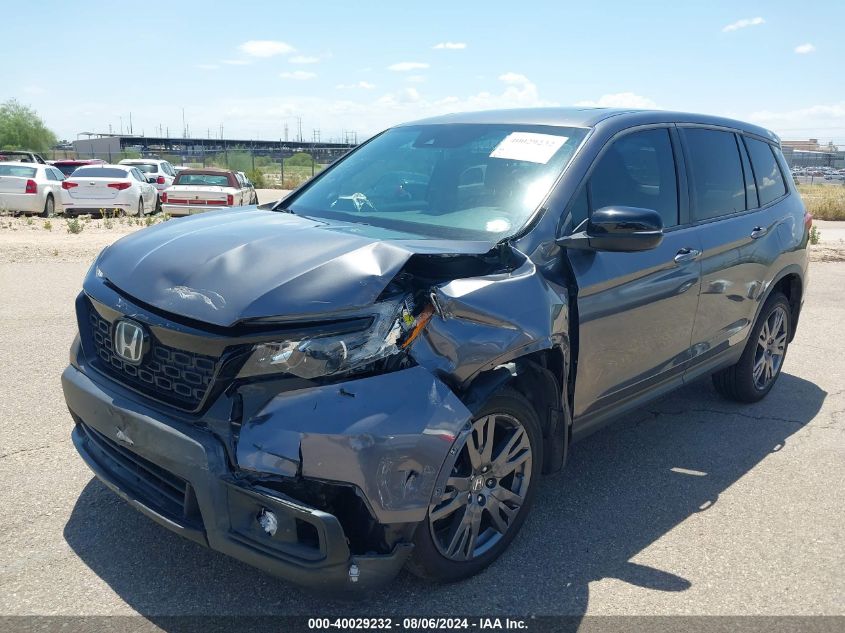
(67,168)
(100,172)
(455,181)
(15,170)
(147,168)
(206,180)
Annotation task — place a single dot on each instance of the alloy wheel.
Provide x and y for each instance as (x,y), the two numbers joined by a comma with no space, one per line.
(771,347)
(485,490)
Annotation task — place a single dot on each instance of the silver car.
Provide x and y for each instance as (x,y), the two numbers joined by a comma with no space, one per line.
(30,188)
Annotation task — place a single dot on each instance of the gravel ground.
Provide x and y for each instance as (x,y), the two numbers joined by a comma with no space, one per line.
(692,505)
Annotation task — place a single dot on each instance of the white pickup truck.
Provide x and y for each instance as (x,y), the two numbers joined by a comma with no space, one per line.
(199,190)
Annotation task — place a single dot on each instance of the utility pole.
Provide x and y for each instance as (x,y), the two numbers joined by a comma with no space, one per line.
(130,124)
(184,127)
(121,125)
(286,132)
(299,119)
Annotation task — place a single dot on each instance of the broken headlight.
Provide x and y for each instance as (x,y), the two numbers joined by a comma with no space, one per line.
(323,355)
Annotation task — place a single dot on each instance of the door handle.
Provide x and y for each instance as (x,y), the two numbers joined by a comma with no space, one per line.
(759,231)
(687,255)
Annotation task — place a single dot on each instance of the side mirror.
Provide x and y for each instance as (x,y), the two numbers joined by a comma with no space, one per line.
(151,180)
(618,229)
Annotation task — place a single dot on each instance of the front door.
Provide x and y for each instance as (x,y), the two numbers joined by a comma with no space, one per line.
(635,310)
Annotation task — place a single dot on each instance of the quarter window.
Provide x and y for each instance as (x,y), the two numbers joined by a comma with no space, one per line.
(718,187)
(770,183)
(638,170)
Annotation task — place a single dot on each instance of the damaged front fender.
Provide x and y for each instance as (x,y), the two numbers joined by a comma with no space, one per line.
(387,434)
(483,322)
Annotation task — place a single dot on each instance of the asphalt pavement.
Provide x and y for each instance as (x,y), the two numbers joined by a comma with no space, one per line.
(691,505)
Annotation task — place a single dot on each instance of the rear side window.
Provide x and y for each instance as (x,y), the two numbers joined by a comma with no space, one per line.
(718,186)
(638,170)
(770,183)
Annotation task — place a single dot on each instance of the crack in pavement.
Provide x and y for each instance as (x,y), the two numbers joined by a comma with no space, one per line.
(25,450)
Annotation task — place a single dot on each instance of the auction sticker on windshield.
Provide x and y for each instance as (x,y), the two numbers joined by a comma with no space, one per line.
(528,146)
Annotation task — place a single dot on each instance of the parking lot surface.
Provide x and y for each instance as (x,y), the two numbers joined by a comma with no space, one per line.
(692,505)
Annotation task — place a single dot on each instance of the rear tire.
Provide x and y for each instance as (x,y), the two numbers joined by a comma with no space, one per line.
(488,494)
(157,208)
(756,371)
(140,207)
(49,207)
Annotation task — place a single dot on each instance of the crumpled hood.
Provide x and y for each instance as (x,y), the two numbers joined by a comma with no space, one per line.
(229,266)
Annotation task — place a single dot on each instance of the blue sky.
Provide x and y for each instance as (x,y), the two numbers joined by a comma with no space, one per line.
(254,66)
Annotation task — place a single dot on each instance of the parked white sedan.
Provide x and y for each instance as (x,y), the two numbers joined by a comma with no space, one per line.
(198,190)
(108,188)
(157,172)
(30,188)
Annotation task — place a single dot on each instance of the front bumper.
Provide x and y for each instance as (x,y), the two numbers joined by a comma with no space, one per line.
(178,475)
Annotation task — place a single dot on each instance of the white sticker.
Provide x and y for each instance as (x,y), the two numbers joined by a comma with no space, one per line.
(535,148)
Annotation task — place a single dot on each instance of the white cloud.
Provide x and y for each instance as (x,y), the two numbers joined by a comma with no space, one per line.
(304,59)
(513,78)
(208,66)
(741,24)
(415,79)
(365,85)
(404,67)
(619,100)
(803,49)
(802,122)
(299,75)
(265,48)
(236,62)
(451,46)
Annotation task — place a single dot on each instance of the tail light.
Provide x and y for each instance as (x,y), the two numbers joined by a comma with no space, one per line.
(808,220)
(31,186)
(164,196)
(230,200)
(160,180)
(67,184)
(120,186)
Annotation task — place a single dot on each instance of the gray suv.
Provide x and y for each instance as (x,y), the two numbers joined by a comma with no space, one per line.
(375,371)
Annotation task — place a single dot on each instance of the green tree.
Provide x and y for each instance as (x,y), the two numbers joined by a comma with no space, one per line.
(300,159)
(22,128)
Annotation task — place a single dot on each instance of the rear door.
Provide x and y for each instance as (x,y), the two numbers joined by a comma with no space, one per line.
(635,310)
(734,217)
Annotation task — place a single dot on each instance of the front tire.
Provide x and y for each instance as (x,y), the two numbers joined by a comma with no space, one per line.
(487,495)
(754,375)
(140,207)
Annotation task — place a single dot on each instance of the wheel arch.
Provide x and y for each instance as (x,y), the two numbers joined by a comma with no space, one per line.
(542,377)
(790,282)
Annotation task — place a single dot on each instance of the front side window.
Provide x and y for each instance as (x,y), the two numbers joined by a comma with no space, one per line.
(770,183)
(453,181)
(717,186)
(638,170)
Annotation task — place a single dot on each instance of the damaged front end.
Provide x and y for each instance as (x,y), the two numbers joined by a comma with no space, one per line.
(368,438)
(313,448)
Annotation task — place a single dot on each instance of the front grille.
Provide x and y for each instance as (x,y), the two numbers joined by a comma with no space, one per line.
(159,489)
(175,376)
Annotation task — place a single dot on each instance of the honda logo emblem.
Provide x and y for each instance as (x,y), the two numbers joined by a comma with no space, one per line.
(129,340)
